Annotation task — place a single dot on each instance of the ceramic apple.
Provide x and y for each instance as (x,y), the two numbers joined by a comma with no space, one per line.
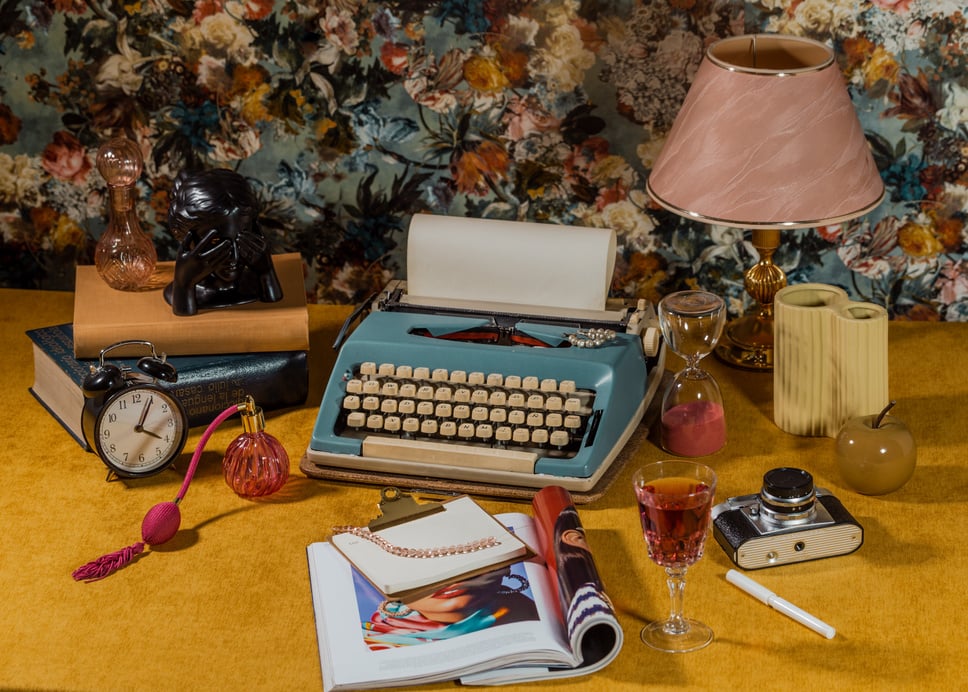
(876,453)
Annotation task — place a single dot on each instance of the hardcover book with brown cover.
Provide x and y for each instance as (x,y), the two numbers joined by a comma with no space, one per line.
(105,316)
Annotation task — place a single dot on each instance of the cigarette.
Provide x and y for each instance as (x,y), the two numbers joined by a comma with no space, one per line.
(763,594)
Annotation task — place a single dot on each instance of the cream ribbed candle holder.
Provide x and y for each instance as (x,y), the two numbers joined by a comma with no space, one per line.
(830,359)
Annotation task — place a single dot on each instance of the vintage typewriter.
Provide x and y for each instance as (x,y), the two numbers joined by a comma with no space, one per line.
(484,395)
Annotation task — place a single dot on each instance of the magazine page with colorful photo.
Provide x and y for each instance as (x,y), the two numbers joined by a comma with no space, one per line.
(506,617)
(593,631)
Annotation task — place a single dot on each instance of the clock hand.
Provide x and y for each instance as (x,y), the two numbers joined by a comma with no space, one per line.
(140,426)
(148,432)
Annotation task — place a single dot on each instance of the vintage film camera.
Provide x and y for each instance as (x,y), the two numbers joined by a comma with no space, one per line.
(788,521)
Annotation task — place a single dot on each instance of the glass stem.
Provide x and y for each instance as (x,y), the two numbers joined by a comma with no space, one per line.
(676,581)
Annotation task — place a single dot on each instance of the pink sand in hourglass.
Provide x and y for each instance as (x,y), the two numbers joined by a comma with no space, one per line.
(694,429)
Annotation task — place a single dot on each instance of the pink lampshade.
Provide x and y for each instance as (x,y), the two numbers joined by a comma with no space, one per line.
(767,138)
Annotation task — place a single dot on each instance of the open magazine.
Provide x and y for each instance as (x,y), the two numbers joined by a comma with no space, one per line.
(541,618)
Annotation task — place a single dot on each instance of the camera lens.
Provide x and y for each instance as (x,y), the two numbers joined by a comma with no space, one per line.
(787,493)
(788,483)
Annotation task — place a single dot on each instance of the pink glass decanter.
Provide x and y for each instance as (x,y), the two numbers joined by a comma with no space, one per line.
(125,255)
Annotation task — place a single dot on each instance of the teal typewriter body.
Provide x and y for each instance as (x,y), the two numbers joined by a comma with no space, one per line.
(520,400)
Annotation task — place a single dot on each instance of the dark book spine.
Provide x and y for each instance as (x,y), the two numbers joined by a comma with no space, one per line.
(274,380)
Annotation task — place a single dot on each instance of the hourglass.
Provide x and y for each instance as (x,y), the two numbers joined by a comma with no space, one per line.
(693,422)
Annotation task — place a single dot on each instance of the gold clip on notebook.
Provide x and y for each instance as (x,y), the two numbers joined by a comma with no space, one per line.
(439,544)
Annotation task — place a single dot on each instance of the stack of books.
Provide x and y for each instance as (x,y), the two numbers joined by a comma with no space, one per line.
(257,349)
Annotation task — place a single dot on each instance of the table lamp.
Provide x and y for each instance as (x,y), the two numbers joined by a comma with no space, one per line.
(766,139)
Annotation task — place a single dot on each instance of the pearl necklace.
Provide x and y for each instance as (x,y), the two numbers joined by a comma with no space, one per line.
(590,338)
(399,551)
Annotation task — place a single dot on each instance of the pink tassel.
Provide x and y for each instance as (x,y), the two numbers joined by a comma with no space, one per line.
(159,525)
(107,564)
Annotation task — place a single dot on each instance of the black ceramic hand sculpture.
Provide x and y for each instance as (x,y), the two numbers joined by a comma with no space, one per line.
(223,257)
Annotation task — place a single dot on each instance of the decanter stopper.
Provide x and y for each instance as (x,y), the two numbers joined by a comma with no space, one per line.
(125,255)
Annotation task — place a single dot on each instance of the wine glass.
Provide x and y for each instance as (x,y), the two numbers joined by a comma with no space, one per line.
(675,500)
(693,421)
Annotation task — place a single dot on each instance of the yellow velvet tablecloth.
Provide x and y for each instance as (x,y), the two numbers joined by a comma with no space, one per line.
(226,604)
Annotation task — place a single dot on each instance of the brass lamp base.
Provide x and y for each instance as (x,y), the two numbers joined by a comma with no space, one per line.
(747,341)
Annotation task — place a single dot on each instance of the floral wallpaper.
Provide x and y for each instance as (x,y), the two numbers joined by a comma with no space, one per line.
(348,116)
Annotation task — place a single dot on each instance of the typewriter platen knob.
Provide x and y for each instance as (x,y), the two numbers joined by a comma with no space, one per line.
(651,340)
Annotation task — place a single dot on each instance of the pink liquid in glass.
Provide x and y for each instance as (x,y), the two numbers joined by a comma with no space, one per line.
(675,516)
(694,429)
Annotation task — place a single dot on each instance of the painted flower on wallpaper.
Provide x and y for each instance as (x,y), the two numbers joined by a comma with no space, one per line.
(395,57)
(633,224)
(20,181)
(871,66)
(431,83)
(122,70)
(348,116)
(66,159)
(816,18)
(10,125)
(562,59)
(869,251)
(479,167)
(526,117)
(953,115)
(651,64)
(952,285)
(917,239)
(219,35)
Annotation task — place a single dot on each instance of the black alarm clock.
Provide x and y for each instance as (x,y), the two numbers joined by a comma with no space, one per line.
(130,419)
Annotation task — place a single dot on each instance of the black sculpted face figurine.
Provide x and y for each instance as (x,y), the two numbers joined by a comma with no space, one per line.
(223,257)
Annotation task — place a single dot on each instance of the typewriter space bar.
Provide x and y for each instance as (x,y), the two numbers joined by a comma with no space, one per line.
(445,454)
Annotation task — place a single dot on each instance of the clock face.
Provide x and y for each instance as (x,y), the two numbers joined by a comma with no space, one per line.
(140,431)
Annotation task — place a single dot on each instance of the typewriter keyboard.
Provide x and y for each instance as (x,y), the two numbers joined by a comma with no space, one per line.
(497,421)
